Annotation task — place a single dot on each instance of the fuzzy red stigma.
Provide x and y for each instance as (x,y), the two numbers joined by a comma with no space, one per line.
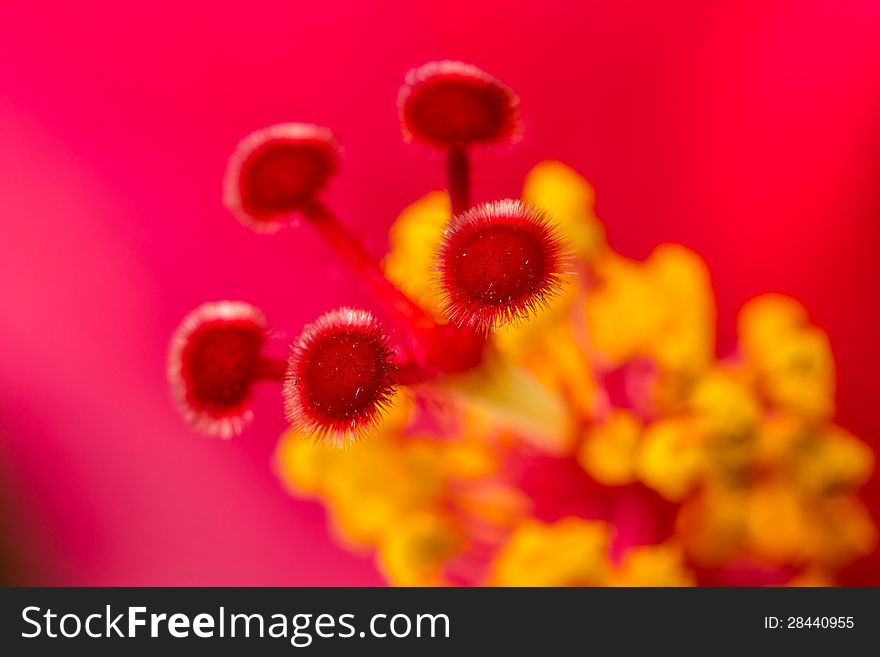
(498,263)
(340,376)
(276,171)
(451,104)
(214,359)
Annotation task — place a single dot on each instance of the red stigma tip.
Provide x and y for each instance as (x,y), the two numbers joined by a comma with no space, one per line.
(276,171)
(339,376)
(213,361)
(499,262)
(455,104)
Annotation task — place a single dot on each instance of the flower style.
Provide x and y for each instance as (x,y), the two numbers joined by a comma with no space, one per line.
(545,411)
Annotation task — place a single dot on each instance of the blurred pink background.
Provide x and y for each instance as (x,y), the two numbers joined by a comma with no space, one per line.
(748,131)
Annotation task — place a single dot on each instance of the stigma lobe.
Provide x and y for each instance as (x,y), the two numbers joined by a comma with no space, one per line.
(340,376)
(499,263)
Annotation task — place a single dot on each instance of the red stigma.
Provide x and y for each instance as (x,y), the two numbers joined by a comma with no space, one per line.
(276,171)
(214,359)
(339,376)
(454,104)
(498,263)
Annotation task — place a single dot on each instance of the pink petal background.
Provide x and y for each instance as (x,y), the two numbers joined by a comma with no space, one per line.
(748,131)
